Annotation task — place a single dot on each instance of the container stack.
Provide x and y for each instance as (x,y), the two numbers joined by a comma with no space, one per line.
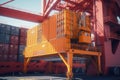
(12,43)
(4,41)
(22,43)
(13,47)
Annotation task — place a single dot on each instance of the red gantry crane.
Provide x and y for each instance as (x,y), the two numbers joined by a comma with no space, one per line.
(104,23)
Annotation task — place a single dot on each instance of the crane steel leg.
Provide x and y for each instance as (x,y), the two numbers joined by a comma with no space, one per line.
(26,61)
(99,64)
(69,63)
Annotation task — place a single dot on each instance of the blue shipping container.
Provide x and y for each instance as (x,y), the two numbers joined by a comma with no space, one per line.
(20,58)
(4,38)
(14,30)
(2,29)
(5,29)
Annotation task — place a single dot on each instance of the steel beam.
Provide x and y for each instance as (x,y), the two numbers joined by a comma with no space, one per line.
(6,2)
(84,52)
(4,11)
(51,6)
(71,2)
(69,63)
(47,4)
(44,4)
(99,64)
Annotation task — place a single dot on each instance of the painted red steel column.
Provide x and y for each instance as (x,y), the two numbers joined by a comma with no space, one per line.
(104,12)
(99,28)
(112,59)
(49,6)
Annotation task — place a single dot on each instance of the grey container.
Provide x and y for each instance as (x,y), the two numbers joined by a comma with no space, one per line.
(20,58)
(7,38)
(21,49)
(4,38)
(14,30)
(2,29)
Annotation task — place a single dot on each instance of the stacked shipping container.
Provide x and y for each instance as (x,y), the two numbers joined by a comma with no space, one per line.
(22,43)
(12,43)
(4,41)
(13,46)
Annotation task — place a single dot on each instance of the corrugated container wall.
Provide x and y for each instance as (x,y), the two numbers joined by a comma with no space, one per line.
(23,32)
(4,38)
(13,49)
(45,29)
(23,36)
(5,29)
(14,30)
(5,48)
(52,27)
(32,36)
(14,39)
(4,41)
(22,40)
(21,49)
(22,44)
(67,24)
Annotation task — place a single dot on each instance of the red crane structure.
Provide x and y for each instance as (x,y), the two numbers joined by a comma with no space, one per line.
(48,6)
(104,22)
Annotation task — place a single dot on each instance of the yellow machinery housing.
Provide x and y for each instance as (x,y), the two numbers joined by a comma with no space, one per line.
(56,36)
